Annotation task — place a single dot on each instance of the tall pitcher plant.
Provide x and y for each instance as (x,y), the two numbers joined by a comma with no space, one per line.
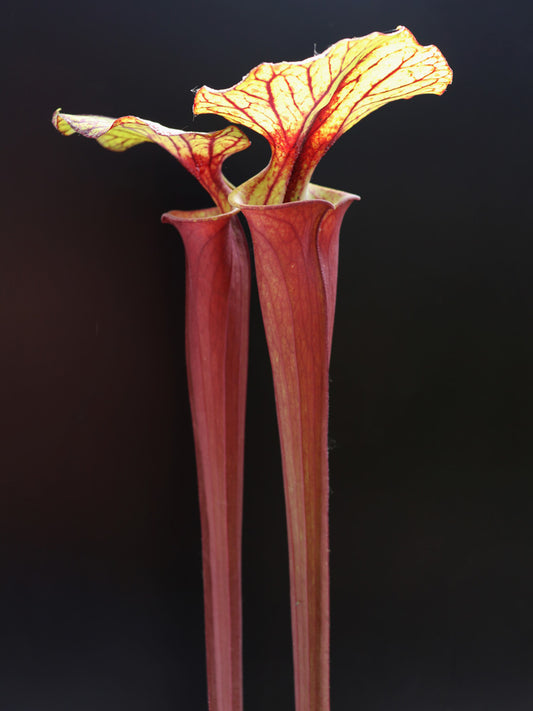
(301,108)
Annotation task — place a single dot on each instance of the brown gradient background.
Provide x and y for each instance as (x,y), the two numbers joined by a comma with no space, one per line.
(431,385)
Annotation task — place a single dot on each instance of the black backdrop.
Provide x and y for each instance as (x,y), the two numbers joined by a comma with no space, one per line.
(431,388)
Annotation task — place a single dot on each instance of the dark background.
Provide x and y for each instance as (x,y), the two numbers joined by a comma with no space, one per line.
(431,386)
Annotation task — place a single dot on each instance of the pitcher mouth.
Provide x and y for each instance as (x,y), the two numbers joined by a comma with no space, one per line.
(238,197)
(208,214)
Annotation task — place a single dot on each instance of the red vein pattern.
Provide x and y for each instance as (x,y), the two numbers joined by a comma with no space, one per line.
(217,306)
(202,154)
(301,108)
